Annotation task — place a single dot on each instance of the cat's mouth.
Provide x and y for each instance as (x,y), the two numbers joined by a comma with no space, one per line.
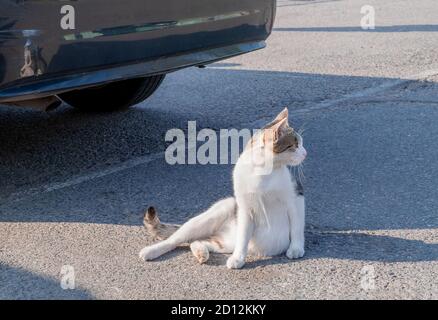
(297,161)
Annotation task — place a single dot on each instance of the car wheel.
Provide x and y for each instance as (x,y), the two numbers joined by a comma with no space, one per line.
(113,96)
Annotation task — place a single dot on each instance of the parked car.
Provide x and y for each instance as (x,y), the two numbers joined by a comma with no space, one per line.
(111,54)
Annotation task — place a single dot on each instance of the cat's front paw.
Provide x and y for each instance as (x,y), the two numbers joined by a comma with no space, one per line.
(235,263)
(147,254)
(295,252)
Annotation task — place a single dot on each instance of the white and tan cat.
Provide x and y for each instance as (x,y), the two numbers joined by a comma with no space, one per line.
(264,218)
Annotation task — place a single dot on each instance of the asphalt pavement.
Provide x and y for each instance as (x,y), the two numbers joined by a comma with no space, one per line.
(73,186)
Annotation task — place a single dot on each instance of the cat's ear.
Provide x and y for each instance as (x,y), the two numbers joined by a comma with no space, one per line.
(280,128)
(284,114)
(275,132)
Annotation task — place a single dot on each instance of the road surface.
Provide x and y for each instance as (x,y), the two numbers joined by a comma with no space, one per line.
(73,186)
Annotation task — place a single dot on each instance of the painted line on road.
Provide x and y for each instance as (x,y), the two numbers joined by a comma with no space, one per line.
(289,4)
(76,180)
(360,94)
(79,179)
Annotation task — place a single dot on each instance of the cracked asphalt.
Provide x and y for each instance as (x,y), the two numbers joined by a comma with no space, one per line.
(73,186)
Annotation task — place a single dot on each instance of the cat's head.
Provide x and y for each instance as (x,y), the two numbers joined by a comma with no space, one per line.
(280,143)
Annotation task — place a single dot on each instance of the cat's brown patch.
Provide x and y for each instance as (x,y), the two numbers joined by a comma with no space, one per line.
(280,136)
(286,140)
(277,133)
(217,242)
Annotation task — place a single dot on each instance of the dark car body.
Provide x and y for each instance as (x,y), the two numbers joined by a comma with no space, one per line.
(119,39)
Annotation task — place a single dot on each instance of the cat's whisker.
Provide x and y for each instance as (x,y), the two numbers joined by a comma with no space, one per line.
(302,129)
(301,173)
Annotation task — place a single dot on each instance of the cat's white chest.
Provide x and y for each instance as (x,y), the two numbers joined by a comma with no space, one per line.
(269,205)
(272,227)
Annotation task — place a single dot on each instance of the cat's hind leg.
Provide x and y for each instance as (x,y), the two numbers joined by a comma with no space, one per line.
(200,227)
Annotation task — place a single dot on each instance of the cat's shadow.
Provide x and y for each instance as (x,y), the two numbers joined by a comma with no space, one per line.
(337,245)
(358,246)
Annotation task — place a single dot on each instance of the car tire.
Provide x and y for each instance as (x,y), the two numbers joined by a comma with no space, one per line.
(113,96)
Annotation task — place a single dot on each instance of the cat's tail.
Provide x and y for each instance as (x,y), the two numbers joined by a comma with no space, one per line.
(158,230)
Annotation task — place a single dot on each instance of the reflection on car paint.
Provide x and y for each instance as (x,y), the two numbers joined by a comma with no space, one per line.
(156,26)
(33,64)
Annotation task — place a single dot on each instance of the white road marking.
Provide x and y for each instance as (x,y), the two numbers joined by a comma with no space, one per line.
(368,92)
(132,163)
(78,179)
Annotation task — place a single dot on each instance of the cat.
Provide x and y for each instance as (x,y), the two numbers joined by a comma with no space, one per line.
(266,216)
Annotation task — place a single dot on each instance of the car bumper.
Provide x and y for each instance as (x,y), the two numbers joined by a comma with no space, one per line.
(117,39)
